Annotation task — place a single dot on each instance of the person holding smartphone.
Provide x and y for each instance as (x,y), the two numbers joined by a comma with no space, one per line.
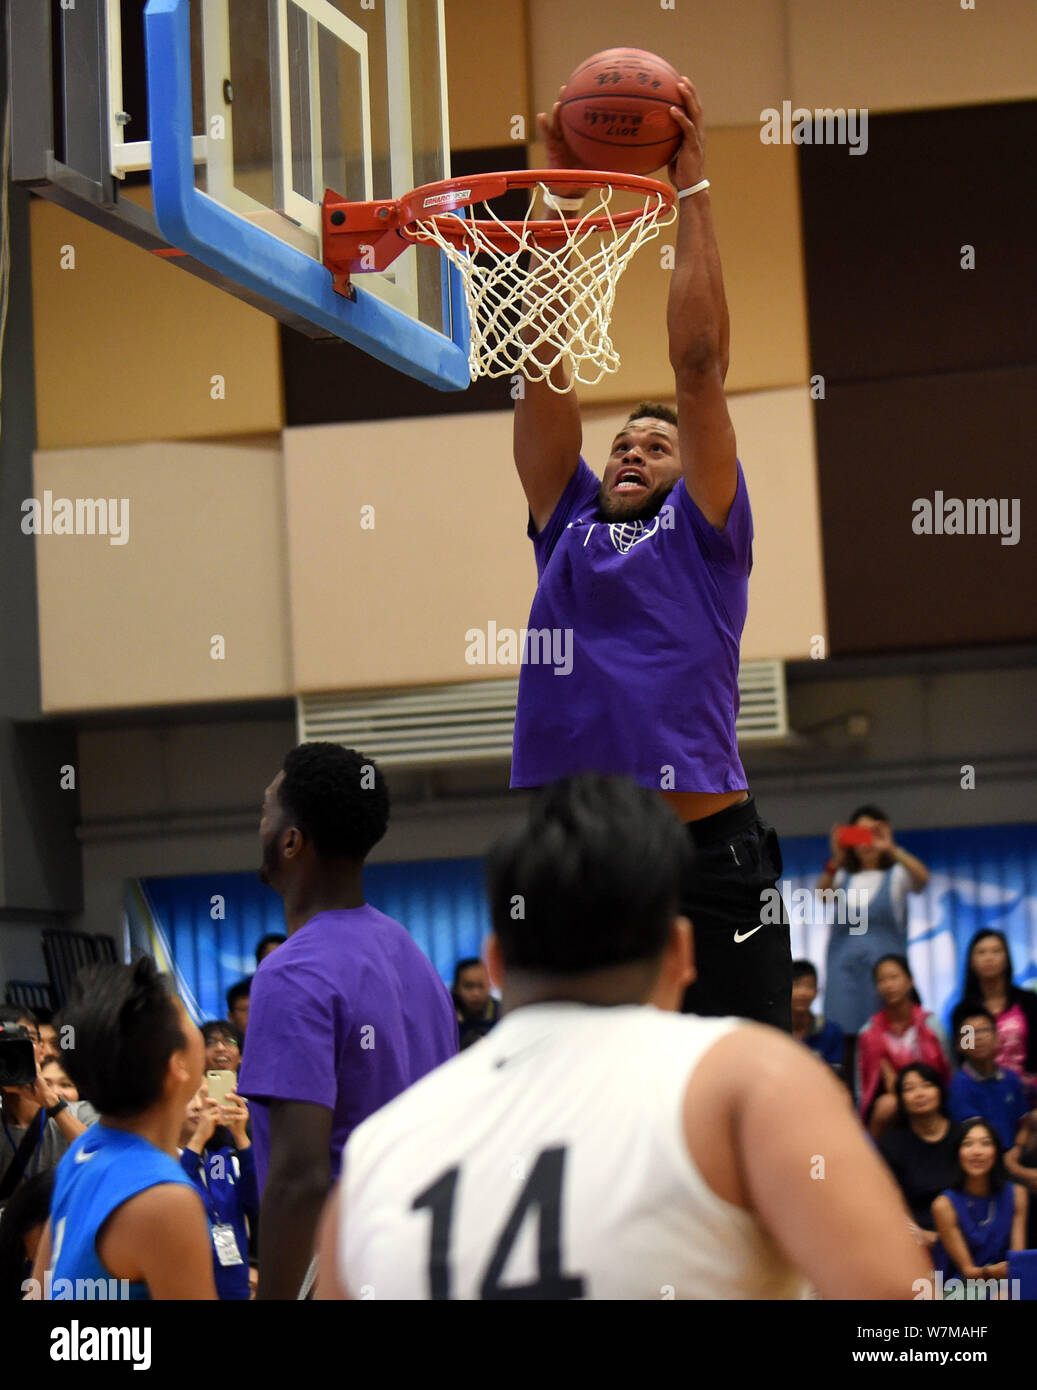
(38,1122)
(879,874)
(225,1175)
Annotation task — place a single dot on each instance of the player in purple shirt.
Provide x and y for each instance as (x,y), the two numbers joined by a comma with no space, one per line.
(643,584)
(345,1015)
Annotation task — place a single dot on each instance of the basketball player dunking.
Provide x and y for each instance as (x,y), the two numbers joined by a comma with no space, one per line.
(596,1144)
(648,568)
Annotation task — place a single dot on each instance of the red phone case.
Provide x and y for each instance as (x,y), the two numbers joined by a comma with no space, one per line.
(852,835)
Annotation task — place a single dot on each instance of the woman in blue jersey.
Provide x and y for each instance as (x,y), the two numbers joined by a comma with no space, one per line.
(982,1215)
(125,1220)
(217,1156)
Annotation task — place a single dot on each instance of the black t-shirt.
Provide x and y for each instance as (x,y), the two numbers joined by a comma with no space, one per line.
(922,1169)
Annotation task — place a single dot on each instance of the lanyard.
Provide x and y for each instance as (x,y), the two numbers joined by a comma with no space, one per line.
(207,1197)
(38,1146)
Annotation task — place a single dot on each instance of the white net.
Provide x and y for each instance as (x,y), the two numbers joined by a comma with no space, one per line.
(532,308)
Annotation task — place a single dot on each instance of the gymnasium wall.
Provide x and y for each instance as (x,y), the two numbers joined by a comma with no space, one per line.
(819,257)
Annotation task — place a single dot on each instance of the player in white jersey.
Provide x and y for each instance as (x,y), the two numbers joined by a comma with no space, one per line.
(598,1144)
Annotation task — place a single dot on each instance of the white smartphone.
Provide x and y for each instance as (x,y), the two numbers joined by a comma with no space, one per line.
(221,1083)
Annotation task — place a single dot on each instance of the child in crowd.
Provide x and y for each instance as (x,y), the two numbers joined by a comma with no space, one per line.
(982,1087)
(225,1174)
(901,1032)
(988,985)
(821,1035)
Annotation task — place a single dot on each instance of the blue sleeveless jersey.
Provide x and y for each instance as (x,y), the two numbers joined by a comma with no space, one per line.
(103,1169)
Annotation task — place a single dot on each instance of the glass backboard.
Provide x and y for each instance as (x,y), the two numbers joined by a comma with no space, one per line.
(209,130)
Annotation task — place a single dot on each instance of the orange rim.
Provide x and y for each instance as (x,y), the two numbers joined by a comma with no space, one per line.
(434,202)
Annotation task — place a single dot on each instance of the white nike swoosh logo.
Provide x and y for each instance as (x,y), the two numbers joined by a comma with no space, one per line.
(82,1156)
(744,936)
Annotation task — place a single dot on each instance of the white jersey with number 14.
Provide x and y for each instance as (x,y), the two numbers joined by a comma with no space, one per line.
(549,1161)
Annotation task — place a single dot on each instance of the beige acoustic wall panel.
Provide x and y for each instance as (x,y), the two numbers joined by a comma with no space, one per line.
(134,623)
(775,436)
(486,72)
(734,52)
(886,55)
(756,212)
(385,596)
(127,346)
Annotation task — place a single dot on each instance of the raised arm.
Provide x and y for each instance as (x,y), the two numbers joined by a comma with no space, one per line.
(697,322)
(548,433)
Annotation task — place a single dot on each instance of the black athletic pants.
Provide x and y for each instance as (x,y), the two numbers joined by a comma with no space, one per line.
(742,967)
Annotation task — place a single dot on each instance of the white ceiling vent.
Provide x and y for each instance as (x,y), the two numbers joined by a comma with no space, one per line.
(474,720)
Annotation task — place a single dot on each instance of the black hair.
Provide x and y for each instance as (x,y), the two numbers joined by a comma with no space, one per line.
(14,1013)
(28,1206)
(592,879)
(466,964)
(927,1073)
(125,1028)
(852,863)
(972,990)
(652,410)
(998,1177)
(241,990)
(801,968)
(220,1028)
(902,962)
(337,798)
(272,938)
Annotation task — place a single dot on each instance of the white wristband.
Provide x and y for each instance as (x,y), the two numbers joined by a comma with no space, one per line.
(564,204)
(695,188)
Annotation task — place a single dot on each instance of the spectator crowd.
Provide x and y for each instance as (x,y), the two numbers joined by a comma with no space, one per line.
(227,1140)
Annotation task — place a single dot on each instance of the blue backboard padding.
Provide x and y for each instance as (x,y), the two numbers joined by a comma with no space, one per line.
(196,224)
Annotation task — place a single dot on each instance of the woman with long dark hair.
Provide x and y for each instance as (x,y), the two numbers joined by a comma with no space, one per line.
(988,983)
(921,1144)
(881,874)
(981,1216)
(900,1033)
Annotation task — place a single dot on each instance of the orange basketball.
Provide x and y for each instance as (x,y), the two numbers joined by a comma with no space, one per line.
(615,111)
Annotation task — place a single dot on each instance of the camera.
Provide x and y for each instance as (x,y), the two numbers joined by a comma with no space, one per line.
(17,1056)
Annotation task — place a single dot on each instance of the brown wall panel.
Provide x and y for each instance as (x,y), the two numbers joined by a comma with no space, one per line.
(884,445)
(889,56)
(126,344)
(486,70)
(883,236)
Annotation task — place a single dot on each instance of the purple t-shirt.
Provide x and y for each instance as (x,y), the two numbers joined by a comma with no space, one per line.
(646,619)
(347,1013)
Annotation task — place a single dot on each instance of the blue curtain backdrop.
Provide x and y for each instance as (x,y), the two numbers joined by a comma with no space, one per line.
(204,928)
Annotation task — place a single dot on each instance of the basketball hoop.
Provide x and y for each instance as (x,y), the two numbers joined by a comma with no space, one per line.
(517,323)
(539,292)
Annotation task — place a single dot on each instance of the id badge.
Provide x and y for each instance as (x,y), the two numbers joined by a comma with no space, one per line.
(227,1251)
